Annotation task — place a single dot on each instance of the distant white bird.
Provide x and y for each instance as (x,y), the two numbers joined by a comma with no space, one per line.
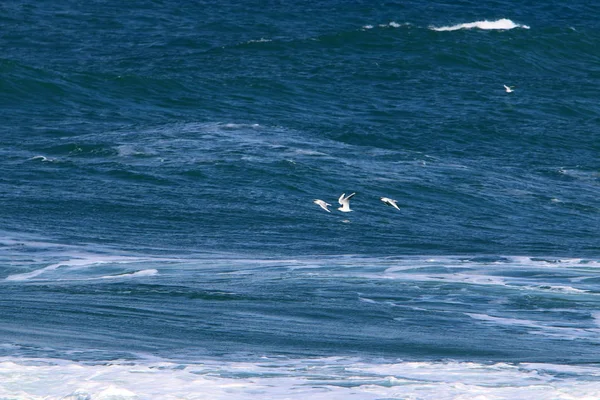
(322,204)
(390,202)
(509,89)
(345,202)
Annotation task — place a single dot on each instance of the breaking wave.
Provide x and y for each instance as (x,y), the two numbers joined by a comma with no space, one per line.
(501,24)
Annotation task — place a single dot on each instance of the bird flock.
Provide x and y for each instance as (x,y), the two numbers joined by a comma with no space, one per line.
(345,200)
(345,203)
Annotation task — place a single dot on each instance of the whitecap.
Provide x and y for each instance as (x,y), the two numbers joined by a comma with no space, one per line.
(41,158)
(135,274)
(278,378)
(561,289)
(78,394)
(28,275)
(114,392)
(392,24)
(501,24)
(504,321)
(85,262)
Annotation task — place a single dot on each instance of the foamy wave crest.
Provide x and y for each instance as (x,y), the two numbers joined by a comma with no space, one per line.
(501,24)
(86,261)
(41,158)
(319,379)
(392,24)
(136,274)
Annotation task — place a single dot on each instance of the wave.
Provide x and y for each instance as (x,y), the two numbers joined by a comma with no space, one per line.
(501,24)
(52,267)
(85,262)
(41,158)
(319,378)
(135,274)
(544,328)
(392,24)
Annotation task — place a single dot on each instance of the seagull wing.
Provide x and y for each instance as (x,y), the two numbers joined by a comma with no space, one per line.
(322,204)
(345,200)
(390,202)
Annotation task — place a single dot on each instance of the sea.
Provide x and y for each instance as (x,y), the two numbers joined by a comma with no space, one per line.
(159,163)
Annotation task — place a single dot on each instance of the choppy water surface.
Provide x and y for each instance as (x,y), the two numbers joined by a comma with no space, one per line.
(159,165)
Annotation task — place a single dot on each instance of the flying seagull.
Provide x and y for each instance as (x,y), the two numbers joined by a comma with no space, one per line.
(509,89)
(322,204)
(345,202)
(390,202)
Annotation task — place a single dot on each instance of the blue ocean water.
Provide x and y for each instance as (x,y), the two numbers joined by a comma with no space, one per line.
(160,159)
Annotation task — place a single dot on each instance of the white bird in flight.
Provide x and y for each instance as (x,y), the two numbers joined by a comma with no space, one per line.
(322,204)
(390,202)
(509,89)
(345,202)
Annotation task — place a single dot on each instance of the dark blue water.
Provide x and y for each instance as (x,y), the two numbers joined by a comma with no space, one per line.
(159,165)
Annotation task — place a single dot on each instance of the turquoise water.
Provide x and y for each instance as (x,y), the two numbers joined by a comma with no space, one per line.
(159,165)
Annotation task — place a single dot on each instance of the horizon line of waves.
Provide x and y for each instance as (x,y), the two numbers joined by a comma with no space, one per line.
(279,377)
(500,24)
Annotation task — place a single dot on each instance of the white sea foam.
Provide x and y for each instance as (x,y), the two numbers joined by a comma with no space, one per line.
(261,40)
(38,272)
(561,289)
(367,300)
(136,274)
(326,378)
(392,24)
(84,261)
(504,321)
(501,24)
(41,158)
